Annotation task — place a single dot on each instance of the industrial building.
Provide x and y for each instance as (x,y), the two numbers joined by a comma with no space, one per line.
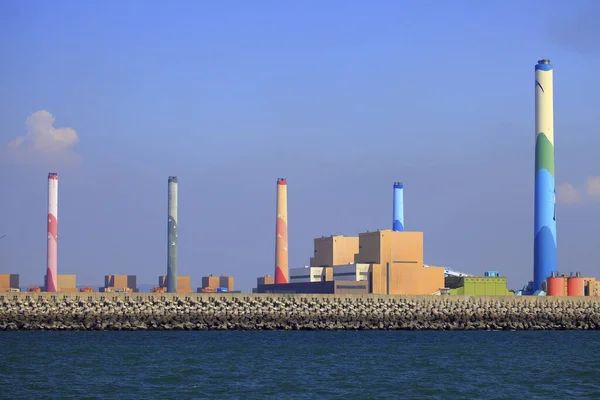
(306,274)
(348,272)
(9,282)
(396,259)
(387,261)
(325,287)
(65,283)
(119,283)
(216,283)
(571,285)
(351,272)
(184,284)
(265,280)
(477,286)
(334,250)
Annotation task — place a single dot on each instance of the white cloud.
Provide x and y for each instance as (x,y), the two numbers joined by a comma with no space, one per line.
(567,194)
(43,143)
(592,187)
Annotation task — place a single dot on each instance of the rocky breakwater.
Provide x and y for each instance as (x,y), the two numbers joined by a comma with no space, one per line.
(299,313)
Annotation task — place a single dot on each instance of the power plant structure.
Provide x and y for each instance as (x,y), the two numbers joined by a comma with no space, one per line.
(398,219)
(52,250)
(281,234)
(544,250)
(172,236)
(380,262)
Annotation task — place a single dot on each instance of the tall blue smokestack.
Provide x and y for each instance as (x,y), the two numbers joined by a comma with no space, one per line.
(398,225)
(544,250)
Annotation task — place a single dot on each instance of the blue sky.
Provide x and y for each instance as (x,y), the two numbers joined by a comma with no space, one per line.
(342,98)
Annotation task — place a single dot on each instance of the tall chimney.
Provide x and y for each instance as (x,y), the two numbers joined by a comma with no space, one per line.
(544,247)
(281,234)
(398,224)
(52,253)
(172,237)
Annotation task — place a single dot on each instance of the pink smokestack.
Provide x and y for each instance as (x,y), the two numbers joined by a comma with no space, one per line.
(51,271)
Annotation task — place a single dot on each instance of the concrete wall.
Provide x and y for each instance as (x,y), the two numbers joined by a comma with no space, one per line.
(250,296)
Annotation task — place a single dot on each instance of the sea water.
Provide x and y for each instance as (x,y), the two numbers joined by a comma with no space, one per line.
(300,365)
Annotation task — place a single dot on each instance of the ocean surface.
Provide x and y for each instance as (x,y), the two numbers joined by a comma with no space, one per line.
(300,365)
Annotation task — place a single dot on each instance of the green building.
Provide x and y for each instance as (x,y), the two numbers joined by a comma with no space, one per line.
(478,286)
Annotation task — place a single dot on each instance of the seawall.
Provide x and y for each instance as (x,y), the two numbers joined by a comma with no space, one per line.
(208,311)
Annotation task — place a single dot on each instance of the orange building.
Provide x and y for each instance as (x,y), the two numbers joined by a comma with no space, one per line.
(396,260)
(334,250)
(66,282)
(265,280)
(591,287)
(214,282)
(114,283)
(184,284)
(9,281)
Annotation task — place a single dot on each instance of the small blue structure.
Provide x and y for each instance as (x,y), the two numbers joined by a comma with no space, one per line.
(492,273)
